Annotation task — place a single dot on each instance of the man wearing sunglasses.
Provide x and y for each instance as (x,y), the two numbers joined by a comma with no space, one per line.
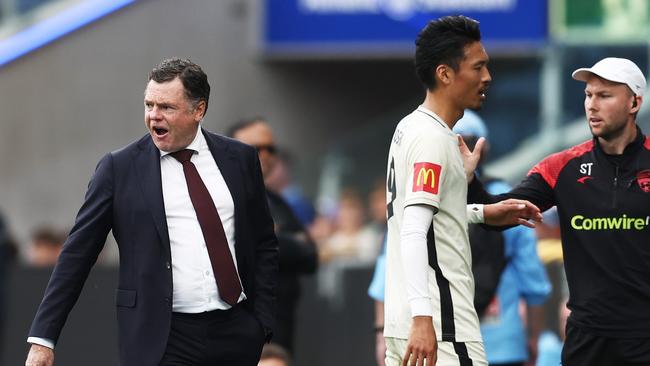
(298,253)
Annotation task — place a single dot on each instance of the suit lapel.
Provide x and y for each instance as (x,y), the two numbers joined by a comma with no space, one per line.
(147,168)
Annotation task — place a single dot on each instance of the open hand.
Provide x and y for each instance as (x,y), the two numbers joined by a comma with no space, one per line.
(512,212)
(470,158)
(422,344)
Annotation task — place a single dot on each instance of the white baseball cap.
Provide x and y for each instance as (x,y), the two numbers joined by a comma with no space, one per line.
(618,70)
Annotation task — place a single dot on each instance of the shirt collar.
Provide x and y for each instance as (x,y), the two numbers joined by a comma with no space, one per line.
(435,117)
(196,144)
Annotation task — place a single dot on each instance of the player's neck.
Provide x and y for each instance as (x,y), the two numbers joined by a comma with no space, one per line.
(438,104)
(616,145)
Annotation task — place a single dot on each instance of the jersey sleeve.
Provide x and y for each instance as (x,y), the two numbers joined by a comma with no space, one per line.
(426,164)
(533,188)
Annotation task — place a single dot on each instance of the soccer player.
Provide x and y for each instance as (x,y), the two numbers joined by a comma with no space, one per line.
(429,310)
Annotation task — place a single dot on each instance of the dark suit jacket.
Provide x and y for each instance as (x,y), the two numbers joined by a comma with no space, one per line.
(125,195)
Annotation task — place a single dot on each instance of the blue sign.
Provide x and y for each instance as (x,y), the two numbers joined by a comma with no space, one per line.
(303,27)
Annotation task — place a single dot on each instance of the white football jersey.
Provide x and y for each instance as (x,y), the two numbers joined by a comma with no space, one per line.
(425,168)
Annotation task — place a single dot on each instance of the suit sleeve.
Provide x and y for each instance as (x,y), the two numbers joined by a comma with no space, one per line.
(266,251)
(79,254)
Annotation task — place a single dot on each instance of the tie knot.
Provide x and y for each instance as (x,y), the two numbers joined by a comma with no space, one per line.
(182,155)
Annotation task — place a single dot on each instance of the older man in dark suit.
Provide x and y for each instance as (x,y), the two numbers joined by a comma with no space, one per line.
(198,255)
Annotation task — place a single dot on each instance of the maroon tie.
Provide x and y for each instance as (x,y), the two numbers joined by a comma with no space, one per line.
(212,228)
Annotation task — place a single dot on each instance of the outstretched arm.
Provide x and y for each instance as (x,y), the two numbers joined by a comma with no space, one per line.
(533,188)
(512,212)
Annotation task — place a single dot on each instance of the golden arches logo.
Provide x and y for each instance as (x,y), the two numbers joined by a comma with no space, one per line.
(426,177)
(429,177)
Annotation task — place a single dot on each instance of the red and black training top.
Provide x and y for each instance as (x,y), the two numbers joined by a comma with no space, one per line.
(603,203)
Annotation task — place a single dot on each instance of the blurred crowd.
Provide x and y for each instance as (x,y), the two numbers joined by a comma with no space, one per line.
(328,242)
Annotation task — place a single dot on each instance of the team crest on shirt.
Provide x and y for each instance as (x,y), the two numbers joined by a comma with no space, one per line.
(426,177)
(643,178)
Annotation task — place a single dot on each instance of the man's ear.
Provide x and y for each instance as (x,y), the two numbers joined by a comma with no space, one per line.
(444,74)
(636,103)
(199,110)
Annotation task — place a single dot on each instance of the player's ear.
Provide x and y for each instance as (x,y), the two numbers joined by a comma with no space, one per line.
(444,74)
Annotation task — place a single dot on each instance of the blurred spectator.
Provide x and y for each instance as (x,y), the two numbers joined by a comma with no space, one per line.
(7,255)
(274,355)
(506,340)
(45,247)
(280,181)
(321,229)
(549,244)
(549,247)
(352,240)
(376,292)
(550,345)
(298,254)
(377,207)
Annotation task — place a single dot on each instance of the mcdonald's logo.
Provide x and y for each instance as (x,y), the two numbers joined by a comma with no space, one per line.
(426,177)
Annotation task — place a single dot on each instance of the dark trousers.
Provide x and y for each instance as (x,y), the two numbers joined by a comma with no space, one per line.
(583,348)
(221,337)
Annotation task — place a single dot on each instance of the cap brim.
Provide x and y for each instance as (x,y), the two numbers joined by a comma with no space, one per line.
(582,74)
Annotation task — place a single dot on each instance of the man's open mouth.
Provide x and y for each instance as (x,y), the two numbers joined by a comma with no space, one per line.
(159,131)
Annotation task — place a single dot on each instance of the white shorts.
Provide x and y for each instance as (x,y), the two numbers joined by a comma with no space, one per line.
(449,353)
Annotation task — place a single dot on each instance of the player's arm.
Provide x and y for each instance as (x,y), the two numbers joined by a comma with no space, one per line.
(505,213)
(513,210)
(416,223)
(533,189)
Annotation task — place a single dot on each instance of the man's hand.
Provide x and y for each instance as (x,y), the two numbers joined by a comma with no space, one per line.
(422,344)
(470,158)
(511,212)
(40,356)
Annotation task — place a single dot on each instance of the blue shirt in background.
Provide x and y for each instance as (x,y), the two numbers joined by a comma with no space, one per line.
(378,282)
(524,277)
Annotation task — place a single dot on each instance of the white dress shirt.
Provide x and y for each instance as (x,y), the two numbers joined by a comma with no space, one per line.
(194,284)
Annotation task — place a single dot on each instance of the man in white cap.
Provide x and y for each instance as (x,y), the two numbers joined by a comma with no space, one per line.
(602,191)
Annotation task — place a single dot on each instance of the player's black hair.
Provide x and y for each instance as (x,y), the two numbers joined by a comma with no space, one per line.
(442,42)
